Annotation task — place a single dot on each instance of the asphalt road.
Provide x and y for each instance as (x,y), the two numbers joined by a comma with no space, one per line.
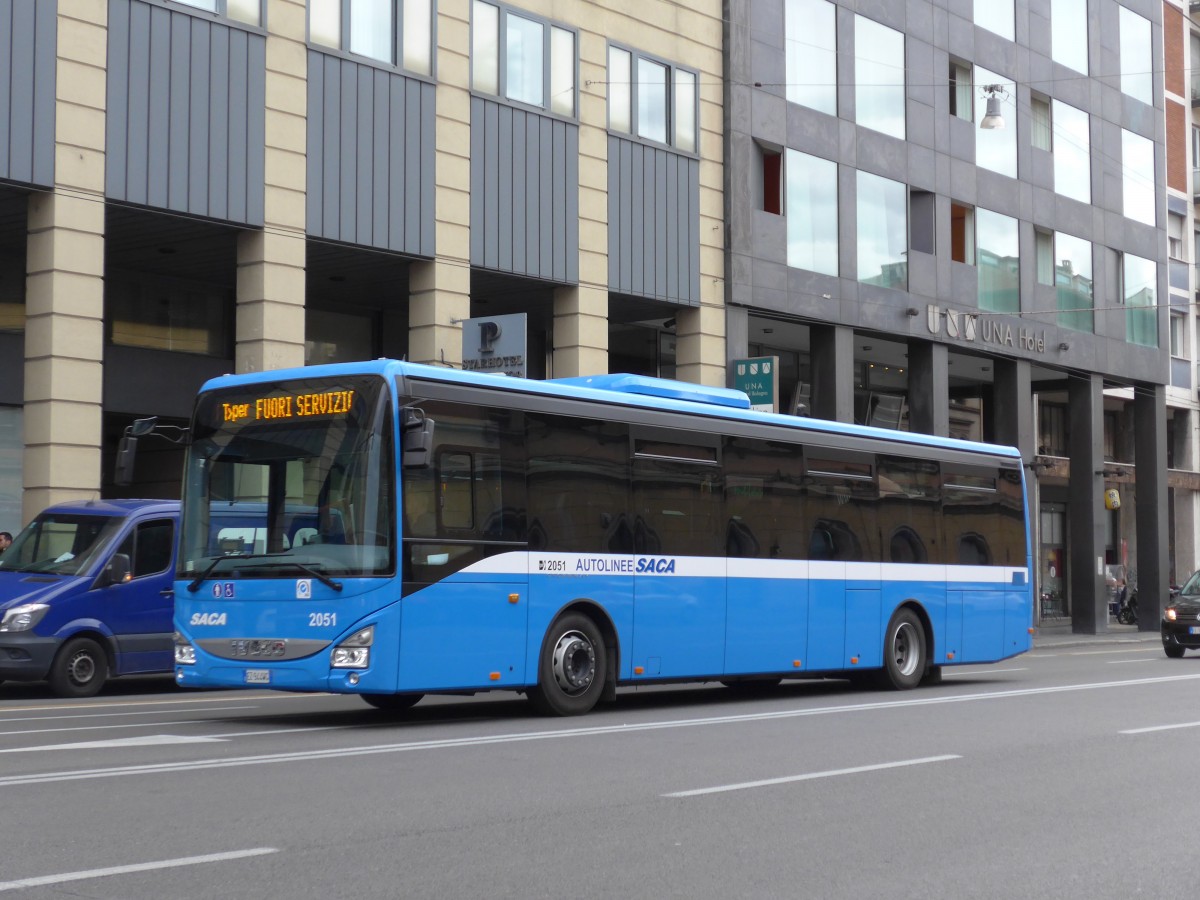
(1063,773)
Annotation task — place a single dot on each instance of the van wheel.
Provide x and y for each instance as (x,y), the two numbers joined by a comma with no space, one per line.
(79,670)
(572,669)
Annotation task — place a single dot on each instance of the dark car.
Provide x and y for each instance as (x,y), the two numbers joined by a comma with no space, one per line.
(1181,619)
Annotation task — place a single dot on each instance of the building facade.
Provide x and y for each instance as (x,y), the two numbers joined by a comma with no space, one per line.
(190,187)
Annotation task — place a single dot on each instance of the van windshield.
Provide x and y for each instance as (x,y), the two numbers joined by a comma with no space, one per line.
(59,543)
(292,474)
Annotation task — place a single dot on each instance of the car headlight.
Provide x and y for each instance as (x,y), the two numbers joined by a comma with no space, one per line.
(185,653)
(355,651)
(23,617)
(1170,614)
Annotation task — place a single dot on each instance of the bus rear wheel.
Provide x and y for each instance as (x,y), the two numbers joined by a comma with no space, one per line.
(392,702)
(572,669)
(904,652)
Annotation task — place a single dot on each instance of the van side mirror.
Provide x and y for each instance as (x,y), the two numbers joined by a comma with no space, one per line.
(118,570)
(416,439)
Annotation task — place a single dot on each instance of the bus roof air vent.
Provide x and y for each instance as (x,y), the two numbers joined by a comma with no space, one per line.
(645,386)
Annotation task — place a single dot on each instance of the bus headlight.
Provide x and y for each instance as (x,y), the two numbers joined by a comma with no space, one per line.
(185,653)
(355,651)
(23,617)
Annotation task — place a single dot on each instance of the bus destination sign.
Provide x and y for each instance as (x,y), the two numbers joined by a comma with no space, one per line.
(288,406)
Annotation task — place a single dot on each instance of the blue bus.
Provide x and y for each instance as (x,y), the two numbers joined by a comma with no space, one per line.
(564,538)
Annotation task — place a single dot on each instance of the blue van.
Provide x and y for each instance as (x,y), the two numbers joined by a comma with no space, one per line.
(87,592)
(87,588)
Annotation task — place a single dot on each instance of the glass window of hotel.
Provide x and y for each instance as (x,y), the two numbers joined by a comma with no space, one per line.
(1137,57)
(811,213)
(1039,122)
(1068,33)
(1139,282)
(1073,281)
(878,77)
(1137,176)
(810,54)
(882,231)
(997,16)
(395,32)
(1179,341)
(996,148)
(652,99)
(162,314)
(961,104)
(523,59)
(1072,152)
(247,11)
(998,259)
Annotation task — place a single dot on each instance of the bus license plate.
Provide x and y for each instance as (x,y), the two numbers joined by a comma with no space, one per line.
(258,676)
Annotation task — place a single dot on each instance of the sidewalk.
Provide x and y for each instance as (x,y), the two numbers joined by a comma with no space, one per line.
(1057,632)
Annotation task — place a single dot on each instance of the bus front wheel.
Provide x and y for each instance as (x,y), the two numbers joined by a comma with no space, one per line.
(904,655)
(572,668)
(392,702)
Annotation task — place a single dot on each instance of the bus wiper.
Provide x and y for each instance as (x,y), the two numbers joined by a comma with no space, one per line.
(194,584)
(306,569)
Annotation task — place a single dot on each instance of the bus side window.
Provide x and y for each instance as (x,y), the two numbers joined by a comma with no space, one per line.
(820,545)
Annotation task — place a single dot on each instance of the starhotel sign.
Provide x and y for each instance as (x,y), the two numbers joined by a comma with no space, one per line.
(974,328)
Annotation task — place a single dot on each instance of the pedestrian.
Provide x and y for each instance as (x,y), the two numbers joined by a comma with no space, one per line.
(5,540)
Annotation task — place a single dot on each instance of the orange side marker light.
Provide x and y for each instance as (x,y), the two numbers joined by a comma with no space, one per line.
(854,660)
(495,676)
(638,670)
(796,664)
(514,598)
(950,655)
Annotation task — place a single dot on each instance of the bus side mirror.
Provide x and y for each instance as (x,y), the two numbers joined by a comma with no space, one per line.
(416,439)
(126,452)
(118,570)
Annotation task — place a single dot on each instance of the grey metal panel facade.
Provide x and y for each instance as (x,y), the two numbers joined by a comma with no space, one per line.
(370,156)
(524,192)
(653,222)
(28,47)
(186,126)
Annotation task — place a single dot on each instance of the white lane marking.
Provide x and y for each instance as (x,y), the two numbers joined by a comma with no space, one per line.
(1160,728)
(104,727)
(1125,662)
(1140,649)
(767,782)
(519,737)
(973,672)
(250,695)
(149,740)
(42,880)
(152,712)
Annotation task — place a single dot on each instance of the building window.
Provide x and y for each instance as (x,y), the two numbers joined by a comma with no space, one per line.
(1039,120)
(882,231)
(523,59)
(1179,341)
(996,148)
(878,77)
(1175,236)
(652,99)
(996,16)
(810,54)
(998,258)
(771,160)
(1072,152)
(394,32)
(1073,282)
(1137,57)
(159,314)
(961,104)
(1137,176)
(341,337)
(812,213)
(248,12)
(1044,248)
(1139,283)
(1069,33)
(1052,432)
(962,233)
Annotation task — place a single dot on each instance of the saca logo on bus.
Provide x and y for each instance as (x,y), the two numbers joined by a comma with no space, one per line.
(208,619)
(648,565)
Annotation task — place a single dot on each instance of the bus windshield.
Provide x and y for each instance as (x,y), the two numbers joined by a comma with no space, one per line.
(287,479)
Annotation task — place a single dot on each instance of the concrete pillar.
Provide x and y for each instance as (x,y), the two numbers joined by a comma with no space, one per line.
(580,331)
(1150,449)
(737,338)
(440,289)
(700,345)
(64,277)
(928,388)
(1085,494)
(1012,406)
(832,351)
(271,262)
